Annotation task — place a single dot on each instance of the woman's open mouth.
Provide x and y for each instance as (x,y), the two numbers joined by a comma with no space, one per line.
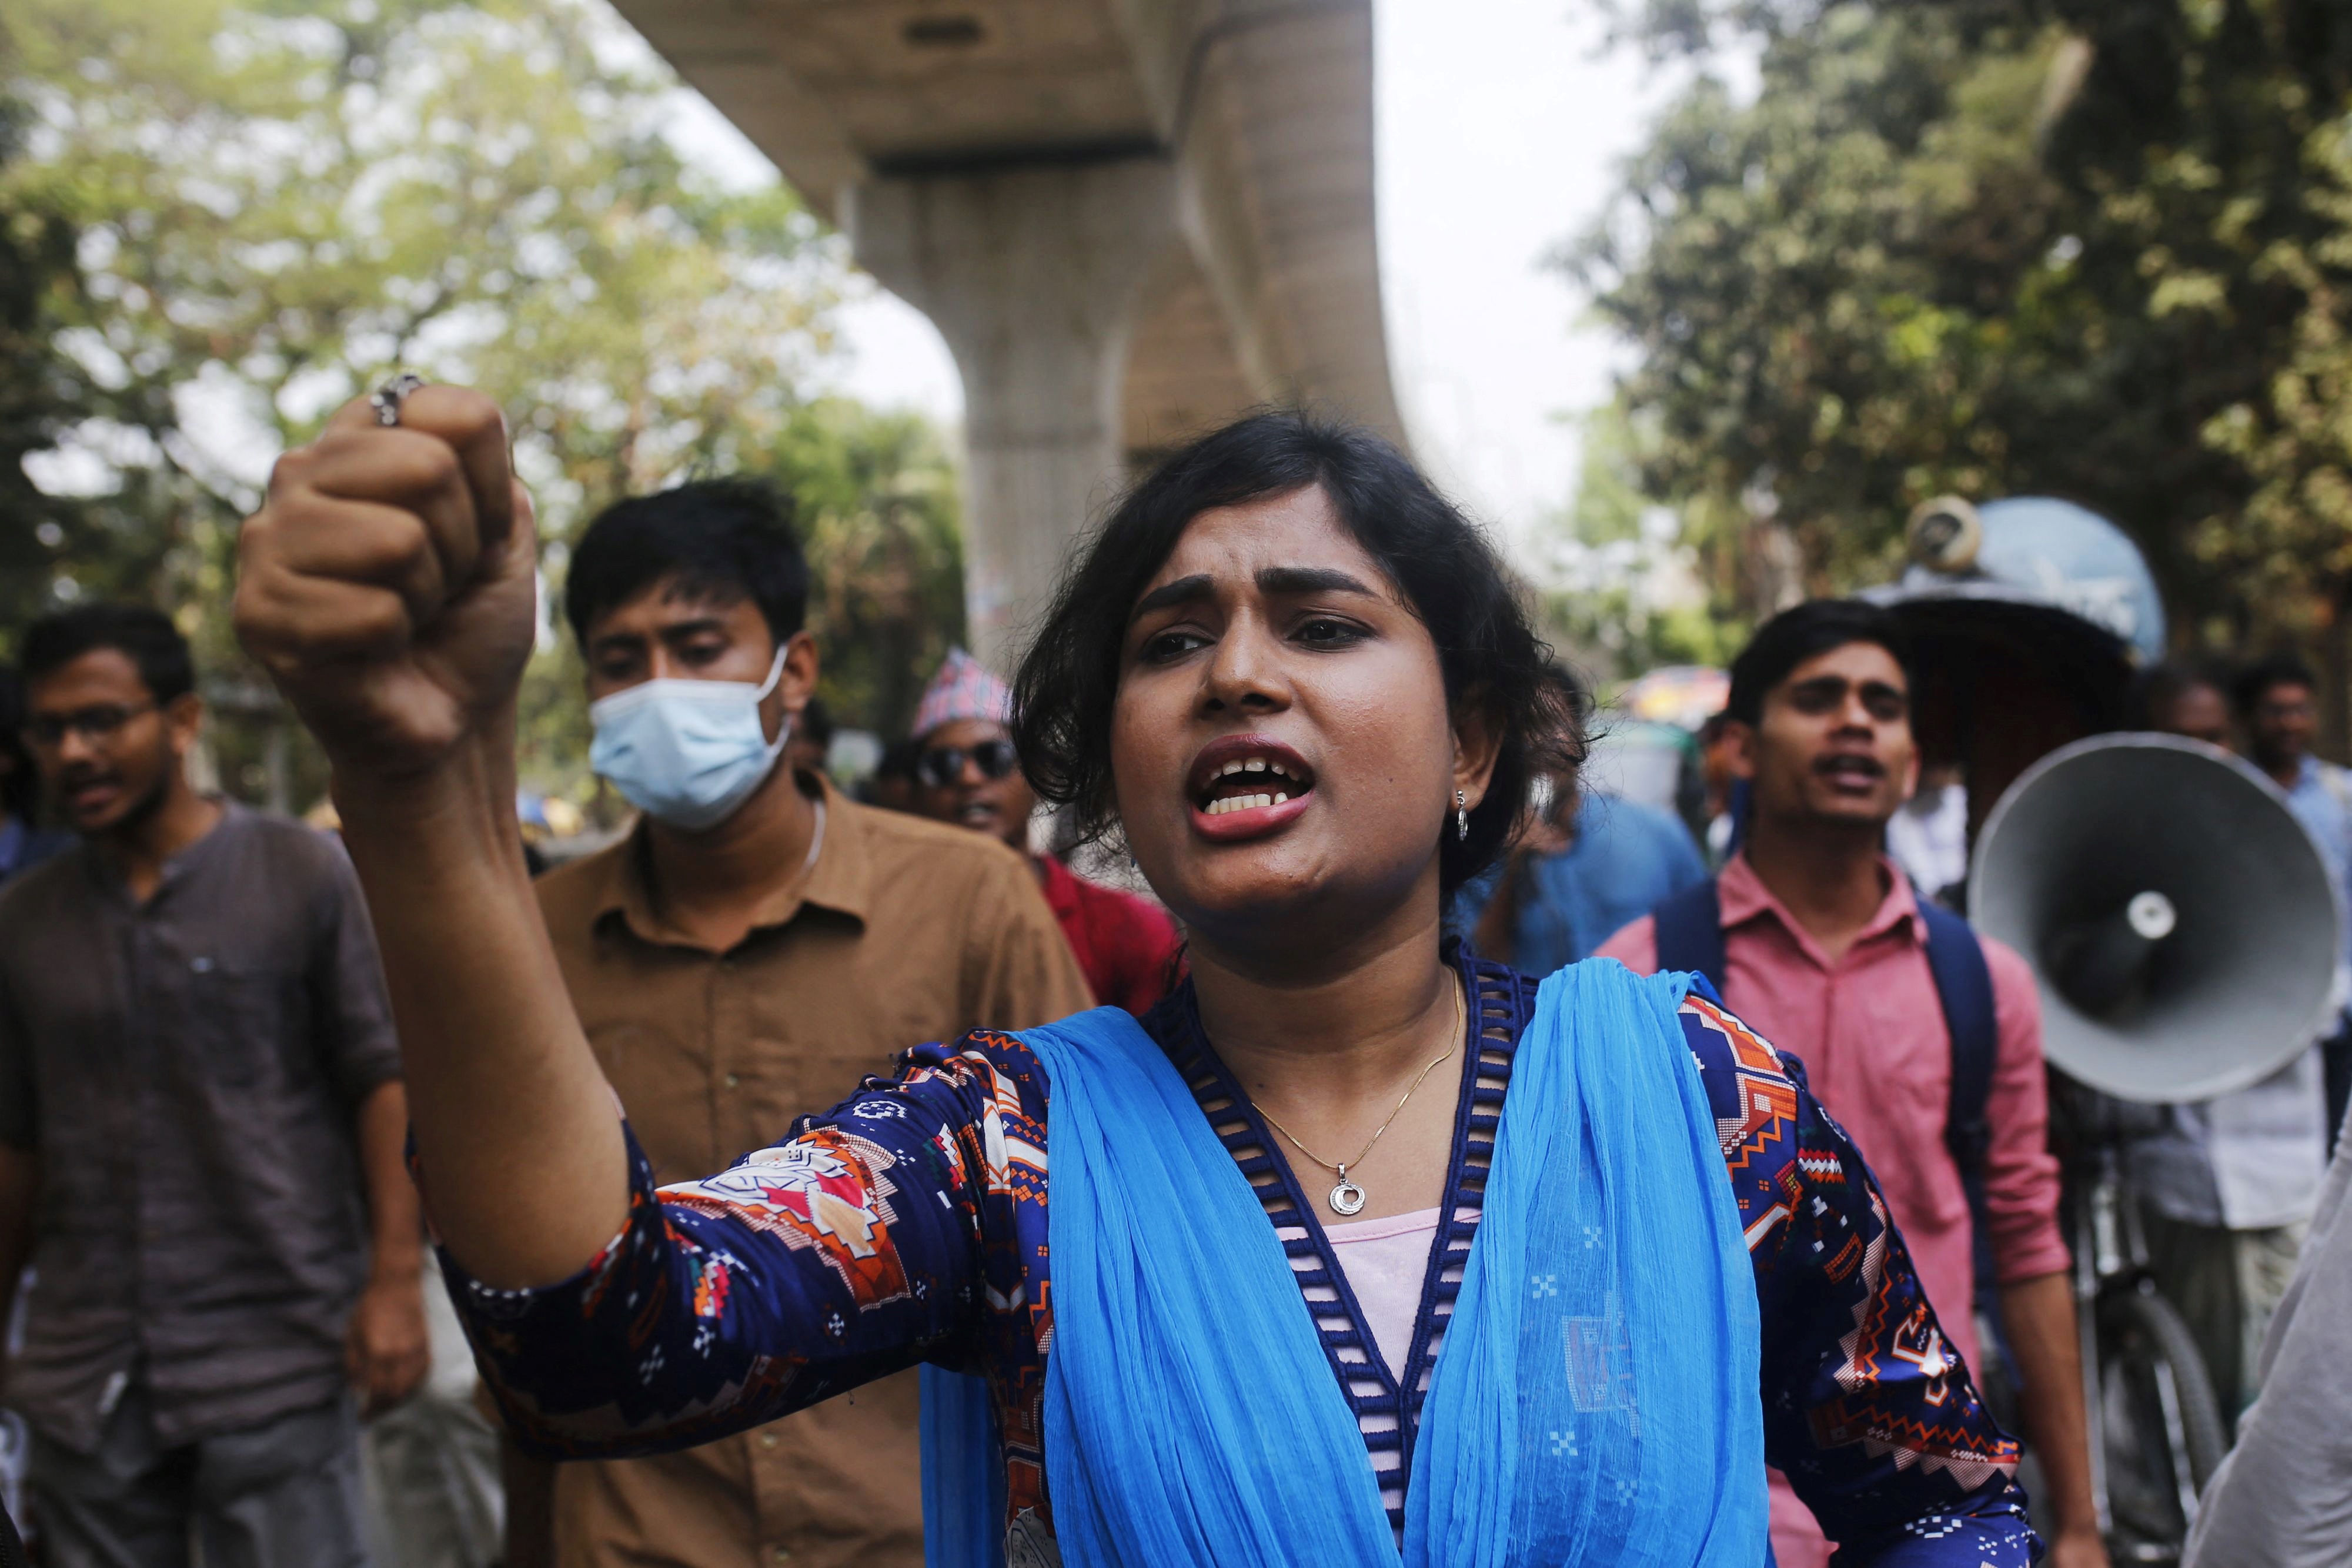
(1245,785)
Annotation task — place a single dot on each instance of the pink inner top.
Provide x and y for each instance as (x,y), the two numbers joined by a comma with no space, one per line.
(1386,1261)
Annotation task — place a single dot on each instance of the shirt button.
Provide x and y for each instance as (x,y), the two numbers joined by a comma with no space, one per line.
(731,1082)
(768,1440)
(783,1553)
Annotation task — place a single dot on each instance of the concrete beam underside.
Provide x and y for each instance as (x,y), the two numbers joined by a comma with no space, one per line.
(1130,220)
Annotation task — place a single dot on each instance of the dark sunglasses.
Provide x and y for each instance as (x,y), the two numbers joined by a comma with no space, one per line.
(96,726)
(941,766)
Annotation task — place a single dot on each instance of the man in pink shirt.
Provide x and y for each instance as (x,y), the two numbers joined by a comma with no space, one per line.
(1825,953)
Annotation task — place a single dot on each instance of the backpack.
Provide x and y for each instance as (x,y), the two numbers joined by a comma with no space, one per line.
(1690,936)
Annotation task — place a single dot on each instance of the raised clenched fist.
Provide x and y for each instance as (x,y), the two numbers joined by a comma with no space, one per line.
(388,583)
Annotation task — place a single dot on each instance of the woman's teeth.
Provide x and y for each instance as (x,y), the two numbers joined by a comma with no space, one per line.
(1244,803)
(1252,765)
(1226,783)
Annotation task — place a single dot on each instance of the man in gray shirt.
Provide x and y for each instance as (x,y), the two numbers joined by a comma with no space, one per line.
(201,1130)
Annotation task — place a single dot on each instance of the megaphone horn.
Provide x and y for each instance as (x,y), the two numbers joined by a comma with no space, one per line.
(2180,919)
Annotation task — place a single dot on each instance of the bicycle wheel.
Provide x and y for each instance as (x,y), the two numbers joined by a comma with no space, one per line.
(2160,1423)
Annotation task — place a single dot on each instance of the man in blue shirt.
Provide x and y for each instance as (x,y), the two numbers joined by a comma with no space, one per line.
(1587,866)
(2276,701)
(2226,1185)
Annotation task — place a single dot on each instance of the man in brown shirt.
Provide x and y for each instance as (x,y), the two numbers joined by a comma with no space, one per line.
(756,945)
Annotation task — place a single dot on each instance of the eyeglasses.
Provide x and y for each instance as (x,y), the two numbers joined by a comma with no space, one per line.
(941,766)
(96,724)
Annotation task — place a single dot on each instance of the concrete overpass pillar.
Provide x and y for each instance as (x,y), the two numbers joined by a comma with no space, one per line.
(1032,274)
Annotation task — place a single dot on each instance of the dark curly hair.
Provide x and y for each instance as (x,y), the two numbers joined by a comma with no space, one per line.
(1443,564)
(140,633)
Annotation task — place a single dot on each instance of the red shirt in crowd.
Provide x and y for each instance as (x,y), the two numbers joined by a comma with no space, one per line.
(1870,1030)
(1125,946)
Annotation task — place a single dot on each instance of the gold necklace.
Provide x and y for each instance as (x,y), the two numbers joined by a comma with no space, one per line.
(1347,1197)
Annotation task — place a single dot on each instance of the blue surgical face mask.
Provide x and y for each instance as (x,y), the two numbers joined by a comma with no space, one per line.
(686,753)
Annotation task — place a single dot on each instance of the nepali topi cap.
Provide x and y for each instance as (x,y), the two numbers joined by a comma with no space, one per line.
(964,688)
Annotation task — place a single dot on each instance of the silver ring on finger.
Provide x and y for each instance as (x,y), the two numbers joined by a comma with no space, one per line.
(386,399)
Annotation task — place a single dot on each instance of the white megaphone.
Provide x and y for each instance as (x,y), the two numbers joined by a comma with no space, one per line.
(2181,924)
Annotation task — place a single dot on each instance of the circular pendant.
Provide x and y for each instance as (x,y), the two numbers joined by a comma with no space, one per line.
(1346,1198)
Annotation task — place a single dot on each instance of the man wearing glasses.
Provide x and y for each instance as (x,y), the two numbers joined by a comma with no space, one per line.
(201,1129)
(966,772)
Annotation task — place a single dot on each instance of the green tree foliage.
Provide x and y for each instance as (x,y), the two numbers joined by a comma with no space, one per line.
(2295,440)
(879,514)
(41,394)
(2094,248)
(1628,579)
(279,203)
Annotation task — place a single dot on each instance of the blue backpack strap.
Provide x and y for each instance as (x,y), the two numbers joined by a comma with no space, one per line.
(1689,931)
(1964,986)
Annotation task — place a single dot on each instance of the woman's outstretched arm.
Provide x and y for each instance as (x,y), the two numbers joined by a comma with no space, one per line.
(889,1231)
(389,587)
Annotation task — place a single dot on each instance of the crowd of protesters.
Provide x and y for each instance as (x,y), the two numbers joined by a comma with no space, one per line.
(198,979)
(232,1328)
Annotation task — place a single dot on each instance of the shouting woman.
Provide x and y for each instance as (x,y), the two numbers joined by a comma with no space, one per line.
(1356,1246)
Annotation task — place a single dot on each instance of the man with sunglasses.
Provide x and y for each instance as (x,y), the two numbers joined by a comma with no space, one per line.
(754,947)
(966,772)
(201,1130)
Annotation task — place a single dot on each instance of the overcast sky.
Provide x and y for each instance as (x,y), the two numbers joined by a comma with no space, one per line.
(1500,126)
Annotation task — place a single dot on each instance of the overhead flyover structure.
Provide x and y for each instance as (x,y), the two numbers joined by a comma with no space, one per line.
(1130,219)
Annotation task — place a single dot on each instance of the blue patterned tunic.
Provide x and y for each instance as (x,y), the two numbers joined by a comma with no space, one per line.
(909,1224)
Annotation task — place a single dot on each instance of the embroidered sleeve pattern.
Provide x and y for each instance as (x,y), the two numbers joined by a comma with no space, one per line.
(889,1231)
(1867,1409)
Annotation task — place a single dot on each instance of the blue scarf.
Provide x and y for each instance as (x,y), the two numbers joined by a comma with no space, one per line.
(1595,1402)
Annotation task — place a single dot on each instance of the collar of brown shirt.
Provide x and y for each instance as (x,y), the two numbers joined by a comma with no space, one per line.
(841,880)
